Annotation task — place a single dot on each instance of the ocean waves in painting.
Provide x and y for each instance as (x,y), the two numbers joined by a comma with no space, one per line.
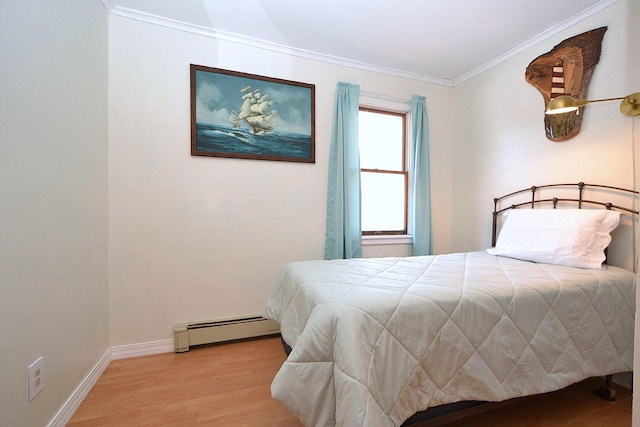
(242,142)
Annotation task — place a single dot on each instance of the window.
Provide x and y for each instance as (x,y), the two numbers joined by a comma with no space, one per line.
(383,171)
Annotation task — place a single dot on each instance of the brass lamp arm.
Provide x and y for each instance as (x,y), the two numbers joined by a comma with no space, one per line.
(599,100)
(629,106)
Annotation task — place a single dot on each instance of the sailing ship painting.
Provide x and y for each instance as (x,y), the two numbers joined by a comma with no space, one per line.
(247,116)
(257,111)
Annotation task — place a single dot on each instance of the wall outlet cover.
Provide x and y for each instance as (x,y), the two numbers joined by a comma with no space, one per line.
(36,377)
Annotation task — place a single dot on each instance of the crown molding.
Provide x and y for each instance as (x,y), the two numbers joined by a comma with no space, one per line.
(108,5)
(274,47)
(261,44)
(555,30)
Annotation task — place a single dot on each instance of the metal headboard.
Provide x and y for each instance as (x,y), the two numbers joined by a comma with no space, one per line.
(580,200)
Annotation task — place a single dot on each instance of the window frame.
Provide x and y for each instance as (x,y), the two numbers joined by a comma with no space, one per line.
(405,172)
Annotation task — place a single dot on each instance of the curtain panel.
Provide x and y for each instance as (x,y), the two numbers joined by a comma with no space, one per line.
(421,196)
(343,233)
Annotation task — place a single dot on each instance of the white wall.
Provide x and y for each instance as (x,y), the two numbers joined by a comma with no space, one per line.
(499,150)
(632,77)
(196,238)
(53,201)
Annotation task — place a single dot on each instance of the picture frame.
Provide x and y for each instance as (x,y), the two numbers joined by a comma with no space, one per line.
(248,116)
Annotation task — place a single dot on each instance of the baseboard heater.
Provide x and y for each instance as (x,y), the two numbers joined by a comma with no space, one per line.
(190,334)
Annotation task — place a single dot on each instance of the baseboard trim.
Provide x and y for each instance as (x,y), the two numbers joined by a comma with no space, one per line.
(74,401)
(142,349)
(80,393)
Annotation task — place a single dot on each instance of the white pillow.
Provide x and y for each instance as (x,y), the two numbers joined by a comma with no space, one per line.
(573,237)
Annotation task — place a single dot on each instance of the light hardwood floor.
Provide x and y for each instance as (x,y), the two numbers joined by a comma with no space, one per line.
(228,385)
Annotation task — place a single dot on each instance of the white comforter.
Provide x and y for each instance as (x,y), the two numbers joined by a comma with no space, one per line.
(376,340)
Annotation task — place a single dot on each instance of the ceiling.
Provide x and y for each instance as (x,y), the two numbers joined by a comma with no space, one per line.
(443,41)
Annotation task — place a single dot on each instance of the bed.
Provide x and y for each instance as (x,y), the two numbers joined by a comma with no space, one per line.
(377,342)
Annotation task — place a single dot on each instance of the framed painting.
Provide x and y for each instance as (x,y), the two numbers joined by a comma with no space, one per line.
(247,116)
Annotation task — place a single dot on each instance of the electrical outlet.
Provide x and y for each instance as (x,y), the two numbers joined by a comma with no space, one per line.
(36,378)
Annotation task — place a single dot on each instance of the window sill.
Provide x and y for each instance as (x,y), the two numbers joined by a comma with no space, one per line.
(405,239)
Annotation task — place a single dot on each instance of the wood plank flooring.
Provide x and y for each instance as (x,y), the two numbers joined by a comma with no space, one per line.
(228,385)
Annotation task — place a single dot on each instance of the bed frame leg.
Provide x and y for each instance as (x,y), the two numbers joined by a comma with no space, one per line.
(606,392)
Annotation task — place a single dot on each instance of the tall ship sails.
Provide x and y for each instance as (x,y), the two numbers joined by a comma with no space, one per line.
(256,110)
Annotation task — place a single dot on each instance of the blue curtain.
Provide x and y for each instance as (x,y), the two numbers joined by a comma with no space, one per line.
(343,235)
(421,197)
